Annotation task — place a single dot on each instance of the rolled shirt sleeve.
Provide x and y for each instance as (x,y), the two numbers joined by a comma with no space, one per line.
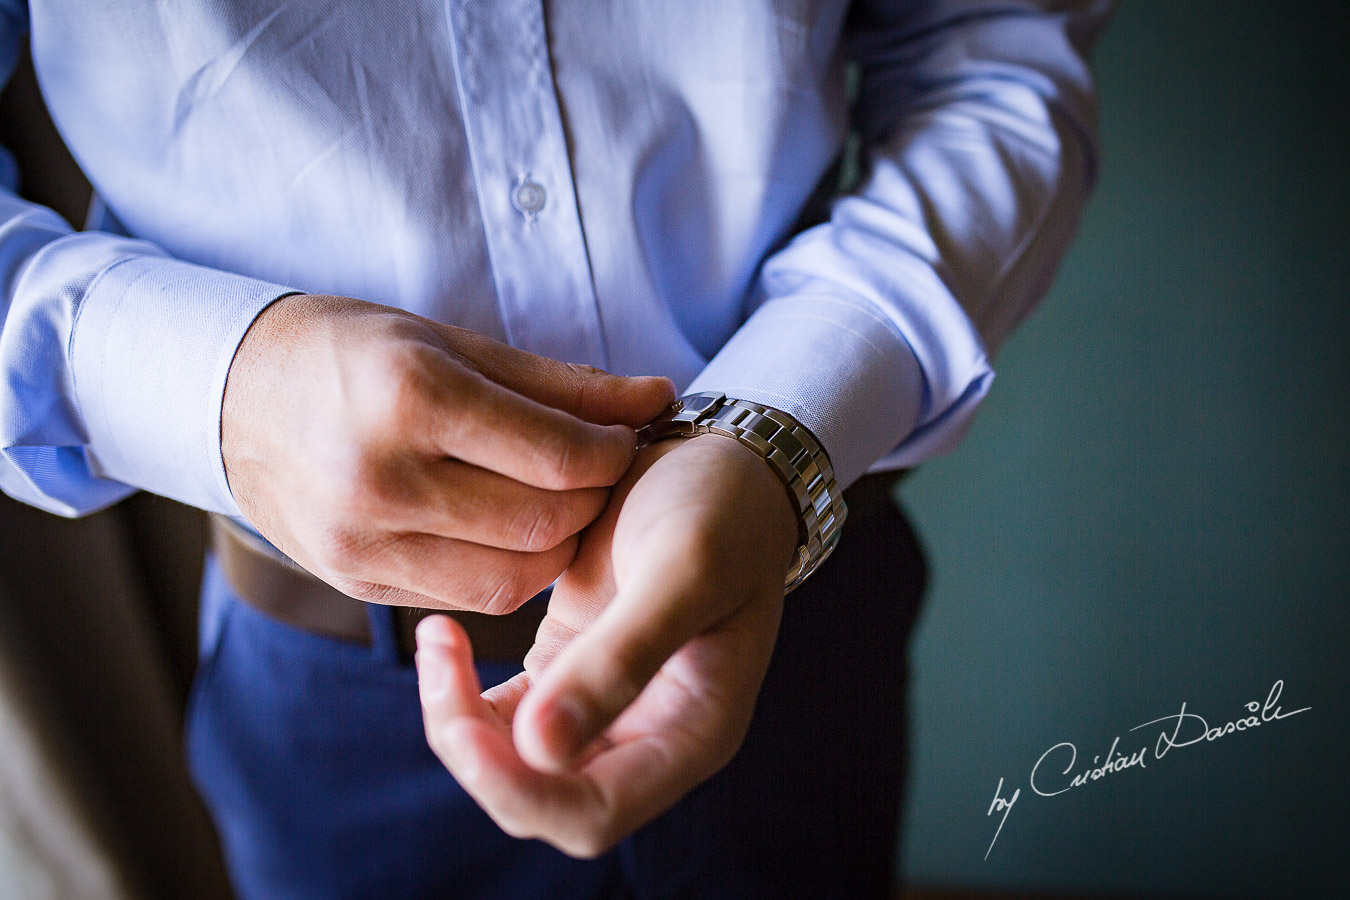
(875,329)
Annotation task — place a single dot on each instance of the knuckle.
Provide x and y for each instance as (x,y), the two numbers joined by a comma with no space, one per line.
(436,741)
(581,384)
(555,461)
(399,382)
(583,371)
(500,594)
(514,826)
(537,528)
(727,751)
(585,843)
(461,388)
(369,592)
(352,587)
(438,738)
(339,551)
(352,484)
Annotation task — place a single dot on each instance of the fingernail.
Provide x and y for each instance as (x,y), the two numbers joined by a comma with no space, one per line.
(433,674)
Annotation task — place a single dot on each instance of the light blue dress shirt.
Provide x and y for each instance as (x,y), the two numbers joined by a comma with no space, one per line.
(602,182)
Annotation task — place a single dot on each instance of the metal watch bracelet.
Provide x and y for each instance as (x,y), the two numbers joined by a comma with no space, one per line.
(791,451)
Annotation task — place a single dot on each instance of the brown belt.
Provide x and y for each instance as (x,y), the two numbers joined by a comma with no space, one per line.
(277,587)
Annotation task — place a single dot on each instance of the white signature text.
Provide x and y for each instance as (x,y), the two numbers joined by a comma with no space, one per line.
(1051,774)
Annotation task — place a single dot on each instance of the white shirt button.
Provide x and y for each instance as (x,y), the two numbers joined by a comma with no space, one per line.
(529,197)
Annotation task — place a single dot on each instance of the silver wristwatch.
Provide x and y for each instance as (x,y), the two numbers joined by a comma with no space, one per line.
(791,452)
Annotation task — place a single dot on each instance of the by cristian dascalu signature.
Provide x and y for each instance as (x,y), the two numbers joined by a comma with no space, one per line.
(1051,774)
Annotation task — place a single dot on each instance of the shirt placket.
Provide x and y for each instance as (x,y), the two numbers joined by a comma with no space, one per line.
(523,179)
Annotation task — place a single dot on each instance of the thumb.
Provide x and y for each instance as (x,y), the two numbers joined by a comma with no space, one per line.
(584,391)
(596,676)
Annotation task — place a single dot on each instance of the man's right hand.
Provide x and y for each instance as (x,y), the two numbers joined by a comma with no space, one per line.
(412,463)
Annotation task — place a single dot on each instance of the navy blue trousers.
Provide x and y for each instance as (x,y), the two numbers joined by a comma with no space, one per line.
(310,755)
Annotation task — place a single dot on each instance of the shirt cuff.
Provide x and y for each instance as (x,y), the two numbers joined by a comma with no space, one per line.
(876,393)
(151,347)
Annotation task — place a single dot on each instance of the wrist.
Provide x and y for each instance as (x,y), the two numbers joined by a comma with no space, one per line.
(792,454)
(772,504)
(751,498)
(248,379)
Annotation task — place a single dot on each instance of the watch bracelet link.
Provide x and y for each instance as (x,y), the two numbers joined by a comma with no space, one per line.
(791,451)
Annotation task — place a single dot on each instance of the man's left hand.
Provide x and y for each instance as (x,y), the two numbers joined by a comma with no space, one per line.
(644,675)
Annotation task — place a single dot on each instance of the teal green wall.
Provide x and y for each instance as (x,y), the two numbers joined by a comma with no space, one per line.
(1152,505)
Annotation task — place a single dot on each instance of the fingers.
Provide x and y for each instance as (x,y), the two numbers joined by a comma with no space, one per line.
(479,421)
(680,742)
(505,697)
(446,678)
(581,815)
(604,668)
(452,499)
(550,639)
(650,689)
(472,741)
(584,391)
(450,574)
(349,429)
